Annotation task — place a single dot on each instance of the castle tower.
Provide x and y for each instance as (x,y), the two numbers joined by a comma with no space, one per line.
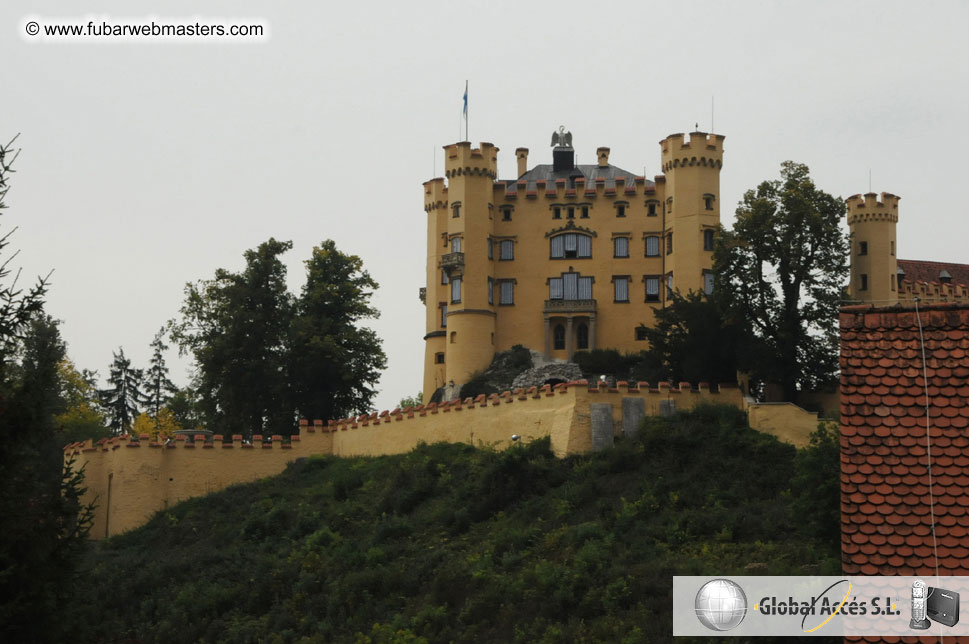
(691,210)
(874,266)
(461,312)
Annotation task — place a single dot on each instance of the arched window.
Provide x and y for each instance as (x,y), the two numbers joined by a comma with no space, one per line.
(558,337)
(582,336)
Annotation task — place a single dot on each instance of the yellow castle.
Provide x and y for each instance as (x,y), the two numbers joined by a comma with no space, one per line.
(564,257)
(877,276)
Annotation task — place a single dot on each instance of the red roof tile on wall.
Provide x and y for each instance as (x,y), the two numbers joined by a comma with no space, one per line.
(886,520)
(917,270)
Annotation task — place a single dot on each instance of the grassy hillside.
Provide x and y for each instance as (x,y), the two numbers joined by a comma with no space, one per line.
(451,543)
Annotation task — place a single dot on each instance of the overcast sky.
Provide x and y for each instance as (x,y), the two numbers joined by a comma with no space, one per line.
(148,165)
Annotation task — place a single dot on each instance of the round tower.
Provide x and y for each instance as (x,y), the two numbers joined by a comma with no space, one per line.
(470,320)
(434,294)
(691,212)
(874,266)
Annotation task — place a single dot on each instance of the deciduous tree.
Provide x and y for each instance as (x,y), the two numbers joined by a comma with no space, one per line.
(782,268)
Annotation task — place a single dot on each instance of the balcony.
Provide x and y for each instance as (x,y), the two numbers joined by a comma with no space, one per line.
(570,306)
(453,264)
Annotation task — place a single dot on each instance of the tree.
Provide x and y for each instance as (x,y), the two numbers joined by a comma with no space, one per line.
(782,268)
(334,362)
(80,418)
(236,326)
(154,425)
(692,342)
(411,401)
(158,388)
(123,398)
(44,524)
(185,408)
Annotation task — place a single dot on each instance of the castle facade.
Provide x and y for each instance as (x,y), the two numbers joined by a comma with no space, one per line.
(564,257)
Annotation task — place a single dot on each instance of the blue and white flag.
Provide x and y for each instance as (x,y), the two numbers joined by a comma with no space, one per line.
(465,99)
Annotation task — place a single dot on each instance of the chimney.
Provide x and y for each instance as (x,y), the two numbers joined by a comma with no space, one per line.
(603,154)
(522,154)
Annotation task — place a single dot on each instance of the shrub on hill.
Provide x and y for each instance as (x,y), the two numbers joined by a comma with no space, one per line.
(453,543)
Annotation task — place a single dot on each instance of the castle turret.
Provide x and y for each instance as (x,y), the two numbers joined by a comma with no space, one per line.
(461,316)
(874,267)
(692,208)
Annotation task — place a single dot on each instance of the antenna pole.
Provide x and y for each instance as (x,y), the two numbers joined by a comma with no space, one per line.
(712,128)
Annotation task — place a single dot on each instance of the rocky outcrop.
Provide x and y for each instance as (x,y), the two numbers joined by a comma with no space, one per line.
(554,372)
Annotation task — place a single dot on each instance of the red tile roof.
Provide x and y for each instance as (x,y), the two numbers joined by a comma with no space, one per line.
(919,271)
(886,523)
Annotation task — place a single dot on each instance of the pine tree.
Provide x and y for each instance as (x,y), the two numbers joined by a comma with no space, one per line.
(158,388)
(122,400)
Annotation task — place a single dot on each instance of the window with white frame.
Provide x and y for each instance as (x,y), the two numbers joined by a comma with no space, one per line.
(570,245)
(455,244)
(708,282)
(570,286)
(444,315)
(491,290)
(652,246)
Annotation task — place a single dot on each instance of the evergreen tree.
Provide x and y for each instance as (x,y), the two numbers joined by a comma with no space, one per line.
(158,388)
(44,524)
(123,398)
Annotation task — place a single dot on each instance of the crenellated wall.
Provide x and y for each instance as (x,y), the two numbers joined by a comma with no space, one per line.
(133,478)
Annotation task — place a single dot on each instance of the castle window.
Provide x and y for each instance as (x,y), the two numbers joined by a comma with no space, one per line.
(455,244)
(582,336)
(507,296)
(556,213)
(652,246)
(669,286)
(454,337)
(652,288)
(571,286)
(863,282)
(585,212)
(708,282)
(570,245)
(863,248)
(893,247)
(621,210)
(443,315)
(571,214)
(891,280)
(651,209)
(708,239)
(669,243)
(438,358)
(708,201)
(558,337)
(507,250)
(620,247)
(669,204)
(640,333)
(621,288)
(444,279)
(506,213)
(456,210)
(491,249)
(491,291)
(456,290)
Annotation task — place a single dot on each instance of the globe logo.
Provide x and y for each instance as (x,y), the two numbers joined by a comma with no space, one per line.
(721,605)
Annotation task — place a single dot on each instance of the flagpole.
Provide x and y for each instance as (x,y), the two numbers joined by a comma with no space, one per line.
(466,111)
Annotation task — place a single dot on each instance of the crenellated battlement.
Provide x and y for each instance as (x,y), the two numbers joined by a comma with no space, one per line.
(134,477)
(462,159)
(700,149)
(435,194)
(868,207)
(560,190)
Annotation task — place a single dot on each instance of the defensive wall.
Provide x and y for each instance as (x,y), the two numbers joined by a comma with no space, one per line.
(133,478)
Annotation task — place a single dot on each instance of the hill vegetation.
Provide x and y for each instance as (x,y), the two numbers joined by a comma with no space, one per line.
(463,544)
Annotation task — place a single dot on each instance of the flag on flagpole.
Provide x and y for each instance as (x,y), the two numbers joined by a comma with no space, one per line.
(465,100)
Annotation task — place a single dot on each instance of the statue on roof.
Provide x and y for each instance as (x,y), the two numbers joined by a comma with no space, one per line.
(562,138)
